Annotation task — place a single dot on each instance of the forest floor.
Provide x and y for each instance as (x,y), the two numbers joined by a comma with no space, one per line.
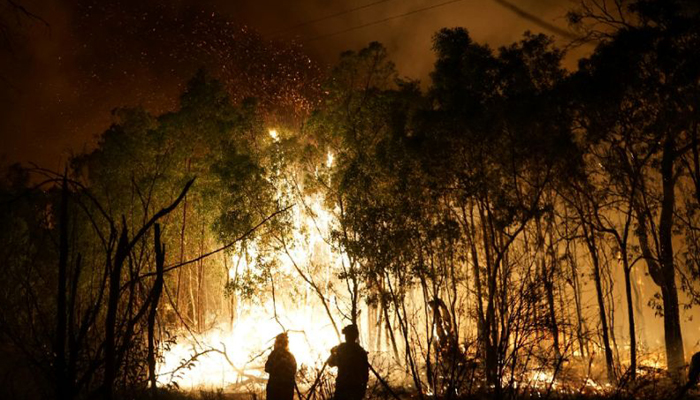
(658,394)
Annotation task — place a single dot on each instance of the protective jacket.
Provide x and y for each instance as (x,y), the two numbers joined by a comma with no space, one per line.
(282,367)
(353,371)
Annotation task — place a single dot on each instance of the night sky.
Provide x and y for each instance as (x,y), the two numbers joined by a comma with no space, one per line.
(61,81)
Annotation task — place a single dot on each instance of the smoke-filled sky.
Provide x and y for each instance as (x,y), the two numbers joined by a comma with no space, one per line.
(59,81)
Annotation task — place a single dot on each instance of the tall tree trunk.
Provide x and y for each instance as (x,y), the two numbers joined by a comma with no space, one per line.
(672,333)
(182,241)
(672,329)
(390,331)
(380,330)
(630,315)
(155,299)
(191,281)
(399,307)
(582,343)
(554,327)
(59,346)
(672,326)
(662,269)
(182,252)
(200,284)
(371,326)
(490,327)
(549,287)
(111,314)
(590,242)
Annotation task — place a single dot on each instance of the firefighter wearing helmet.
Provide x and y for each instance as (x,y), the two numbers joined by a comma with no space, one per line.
(353,368)
(282,368)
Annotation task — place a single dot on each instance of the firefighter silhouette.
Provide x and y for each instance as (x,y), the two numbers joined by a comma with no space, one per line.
(450,363)
(353,368)
(442,324)
(694,370)
(282,367)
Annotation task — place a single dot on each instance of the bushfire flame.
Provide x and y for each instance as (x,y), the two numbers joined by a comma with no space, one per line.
(233,354)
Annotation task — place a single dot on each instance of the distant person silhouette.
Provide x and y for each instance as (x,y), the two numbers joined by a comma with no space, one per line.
(442,323)
(282,368)
(353,368)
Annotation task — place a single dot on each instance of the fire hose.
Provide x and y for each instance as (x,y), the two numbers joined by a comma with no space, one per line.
(376,374)
(379,378)
(313,387)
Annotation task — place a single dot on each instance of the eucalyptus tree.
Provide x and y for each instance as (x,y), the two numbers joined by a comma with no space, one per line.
(643,79)
(499,138)
(349,122)
(588,200)
(377,189)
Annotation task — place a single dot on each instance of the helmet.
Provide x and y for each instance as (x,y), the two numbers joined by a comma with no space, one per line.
(351,330)
(281,340)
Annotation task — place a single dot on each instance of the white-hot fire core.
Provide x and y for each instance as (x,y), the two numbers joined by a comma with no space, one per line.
(235,355)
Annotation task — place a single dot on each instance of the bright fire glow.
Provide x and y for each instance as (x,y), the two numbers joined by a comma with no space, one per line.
(543,379)
(236,351)
(247,345)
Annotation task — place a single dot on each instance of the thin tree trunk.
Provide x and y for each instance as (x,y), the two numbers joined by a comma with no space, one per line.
(155,300)
(550,290)
(583,346)
(182,252)
(590,241)
(191,280)
(59,347)
(403,324)
(390,331)
(379,329)
(200,284)
(111,315)
(630,318)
